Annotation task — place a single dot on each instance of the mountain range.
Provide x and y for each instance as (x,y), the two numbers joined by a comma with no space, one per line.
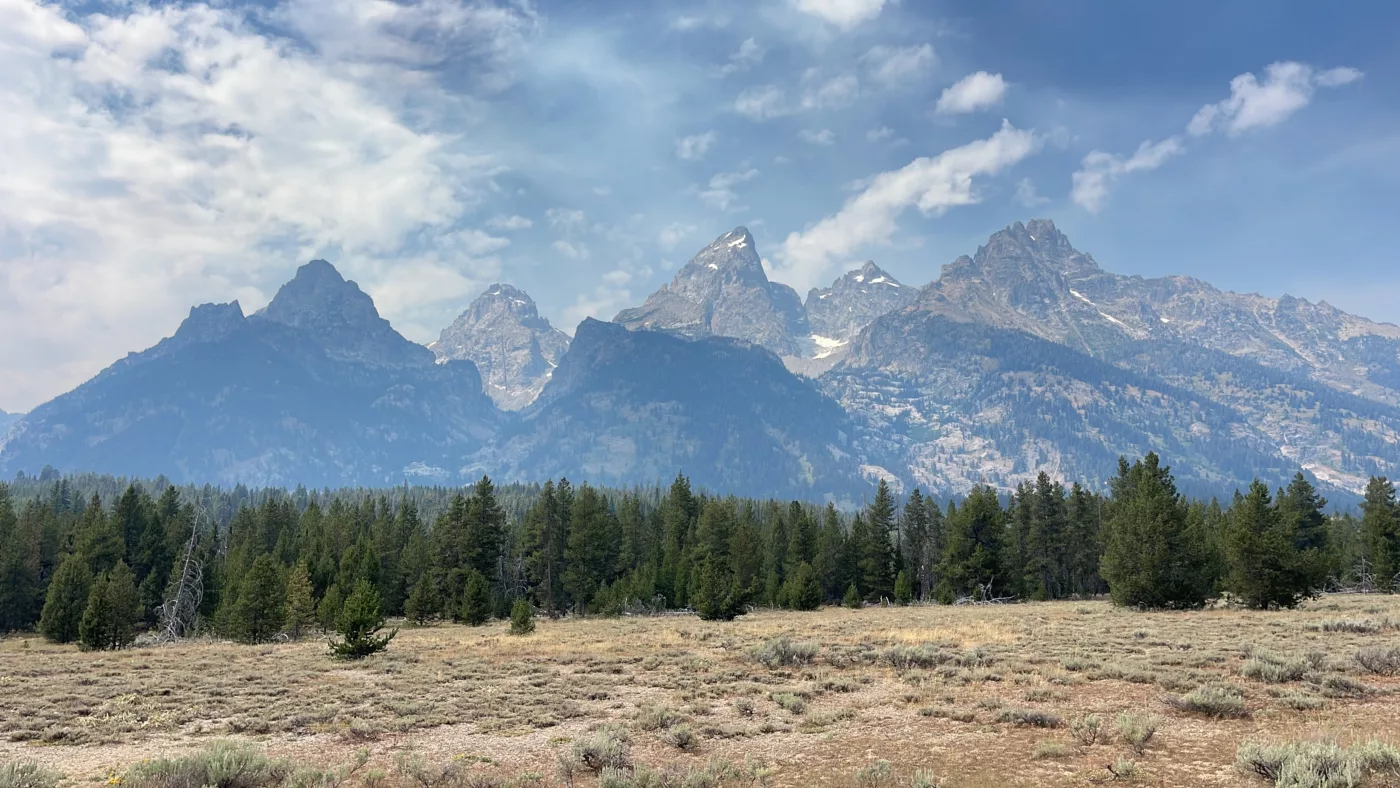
(1023,357)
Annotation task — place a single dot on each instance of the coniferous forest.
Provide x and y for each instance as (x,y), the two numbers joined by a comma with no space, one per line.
(97,560)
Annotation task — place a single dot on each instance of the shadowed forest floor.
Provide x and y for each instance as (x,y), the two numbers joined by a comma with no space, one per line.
(976,696)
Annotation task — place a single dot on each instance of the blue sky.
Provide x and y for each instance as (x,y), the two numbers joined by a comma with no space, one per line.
(160,155)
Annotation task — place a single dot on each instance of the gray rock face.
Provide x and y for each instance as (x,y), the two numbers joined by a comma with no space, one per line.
(724,292)
(854,301)
(6,419)
(342,317)
(1027,356)
(514,348)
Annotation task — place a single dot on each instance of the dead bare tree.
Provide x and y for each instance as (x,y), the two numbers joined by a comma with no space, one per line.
(181,608)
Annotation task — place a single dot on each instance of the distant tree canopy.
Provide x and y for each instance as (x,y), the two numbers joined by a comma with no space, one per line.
(277,562)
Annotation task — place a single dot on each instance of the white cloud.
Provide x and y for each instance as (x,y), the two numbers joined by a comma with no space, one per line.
(688,23)
(882,133)
(1027,196)
(720,193)
(823,137)
(972,93)
(1287,87)
(606,300)
(762,102)
(672,234)
(844,14)
(133,189)
(897,66)
(746,57)
(838,92)
(573,251)
(930,184)
(695,147)
(565,219)
(509,223)
(1099,170)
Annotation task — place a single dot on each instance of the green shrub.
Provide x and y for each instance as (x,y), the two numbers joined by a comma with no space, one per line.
(655,716)
(359,624)
(782,651)
(1212,701)
(1319,764)
(522,617)
(1049,748)
(607,747)
(1380,661)
(789,702)
(224,764)
(1030,717)
(1088,730)
(27,774)
(925,656)
(1273,668)
(683,737)
(1138,729)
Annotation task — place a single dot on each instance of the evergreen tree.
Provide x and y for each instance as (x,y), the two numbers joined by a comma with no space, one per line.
(522,617)
(546,534)
(475,609)
(66,600)
(852,597)
(328,609)
(301,606)
(803,591)
(21,566)
(876,551)
(1380,527)
(113,608)
(1264,568)
(1301,512)
(831,546)
(1151,558)
(422,602)
(917,542)
(903,589)
(593,544)
(359,625)
(1047,565)
(1084,542)
(971,563)
(261,607)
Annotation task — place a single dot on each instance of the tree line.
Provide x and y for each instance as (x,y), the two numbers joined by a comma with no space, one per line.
(284,563)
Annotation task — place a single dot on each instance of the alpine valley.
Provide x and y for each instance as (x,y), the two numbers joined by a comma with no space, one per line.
(1024,357)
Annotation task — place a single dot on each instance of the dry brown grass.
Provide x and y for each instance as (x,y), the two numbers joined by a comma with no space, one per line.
(507,705)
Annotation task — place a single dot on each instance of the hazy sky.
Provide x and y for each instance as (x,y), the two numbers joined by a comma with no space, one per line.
(154,156)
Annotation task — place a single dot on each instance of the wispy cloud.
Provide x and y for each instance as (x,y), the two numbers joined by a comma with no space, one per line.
(822,137)
(1099,170)
(720,193)
(933,185)
(844,14)
(972,93)
(899,66)
(748,55)
(694,147)
(1286,88)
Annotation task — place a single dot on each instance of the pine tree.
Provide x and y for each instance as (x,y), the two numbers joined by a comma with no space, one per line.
(716,596)
(971,563)
(476,600)
(260,610)
(1380,527)
(328,609)
(852,598)
(876,551)
(917,543)
(21,566)
(359,625)
(830,549)
(422,602)
(1151,559)
(903,589)
(803,591)
(522,617)
(66,600)
(113,608)
(1264,567)
(593,544)
(301,606)
(546,534)
(1301,511)
(1085,544)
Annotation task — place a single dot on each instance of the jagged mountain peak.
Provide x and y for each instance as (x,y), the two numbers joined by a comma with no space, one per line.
(723,291)
(335,313)
(515,349)
(854,301)
(211,322)
(1024,251)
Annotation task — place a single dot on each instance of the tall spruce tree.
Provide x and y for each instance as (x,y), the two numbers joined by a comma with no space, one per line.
(1152,559)
(113,608)
(1380,527)
(971,565)
(876,557)
(66,600)
(260,610)
(1264,567)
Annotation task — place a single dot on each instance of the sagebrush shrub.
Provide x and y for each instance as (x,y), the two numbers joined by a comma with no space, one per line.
(1212,701)
(27,774)
(1379,660)
(1138,729)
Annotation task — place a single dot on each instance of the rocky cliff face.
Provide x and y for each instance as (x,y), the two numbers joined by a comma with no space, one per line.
(723,291)
(316,390)
(854,301)
(627,407)
(1043,353)
(514,348)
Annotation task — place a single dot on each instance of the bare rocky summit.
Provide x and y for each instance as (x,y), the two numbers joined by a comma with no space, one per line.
(514,348)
